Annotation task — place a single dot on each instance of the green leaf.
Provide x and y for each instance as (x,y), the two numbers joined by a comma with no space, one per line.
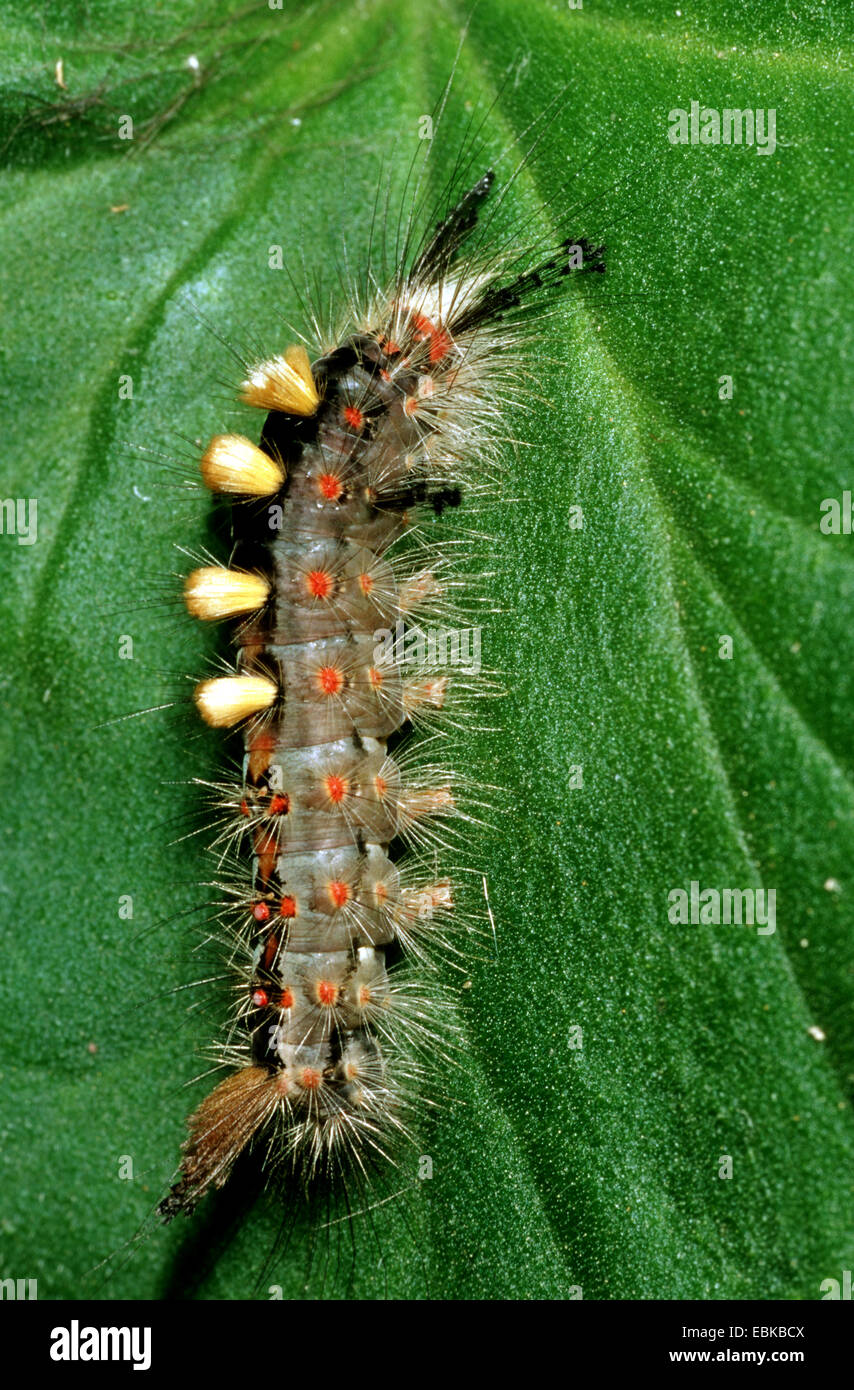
(555,1167)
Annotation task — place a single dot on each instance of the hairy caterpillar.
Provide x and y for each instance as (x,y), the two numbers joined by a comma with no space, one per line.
(328,931)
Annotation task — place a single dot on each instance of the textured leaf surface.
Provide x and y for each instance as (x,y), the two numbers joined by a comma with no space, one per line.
(559,1167)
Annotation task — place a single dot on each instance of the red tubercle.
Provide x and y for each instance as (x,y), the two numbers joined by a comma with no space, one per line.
(319,583)
(366,582)
(375,677)
(440,345)
(310,1078)
(286,998)
(339,892)
(280,804)
(354,417)
(288,906)
(244,808)
(336,787)
(327,993)
(330,487)
(440,341)
(261,912)
(330,680)
(260,998)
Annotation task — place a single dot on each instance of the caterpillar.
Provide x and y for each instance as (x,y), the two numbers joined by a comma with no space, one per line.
(328,932)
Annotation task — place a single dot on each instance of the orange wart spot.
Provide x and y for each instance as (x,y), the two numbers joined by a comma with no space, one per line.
(381,890)
(288,907)
(319,583)
(327,992)
(259,998)
(310,1078)
(366,582)
(286,998)
(364,995)
(330,486)
(336,787)
(330,680)
(244,808)
(261,912)
(339,892)
(440,345)
(375,677)
(380,786)
(410,405)
(279,804)
(354,417)
(440,341)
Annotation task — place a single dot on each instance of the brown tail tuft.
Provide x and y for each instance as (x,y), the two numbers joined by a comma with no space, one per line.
(220,1129)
